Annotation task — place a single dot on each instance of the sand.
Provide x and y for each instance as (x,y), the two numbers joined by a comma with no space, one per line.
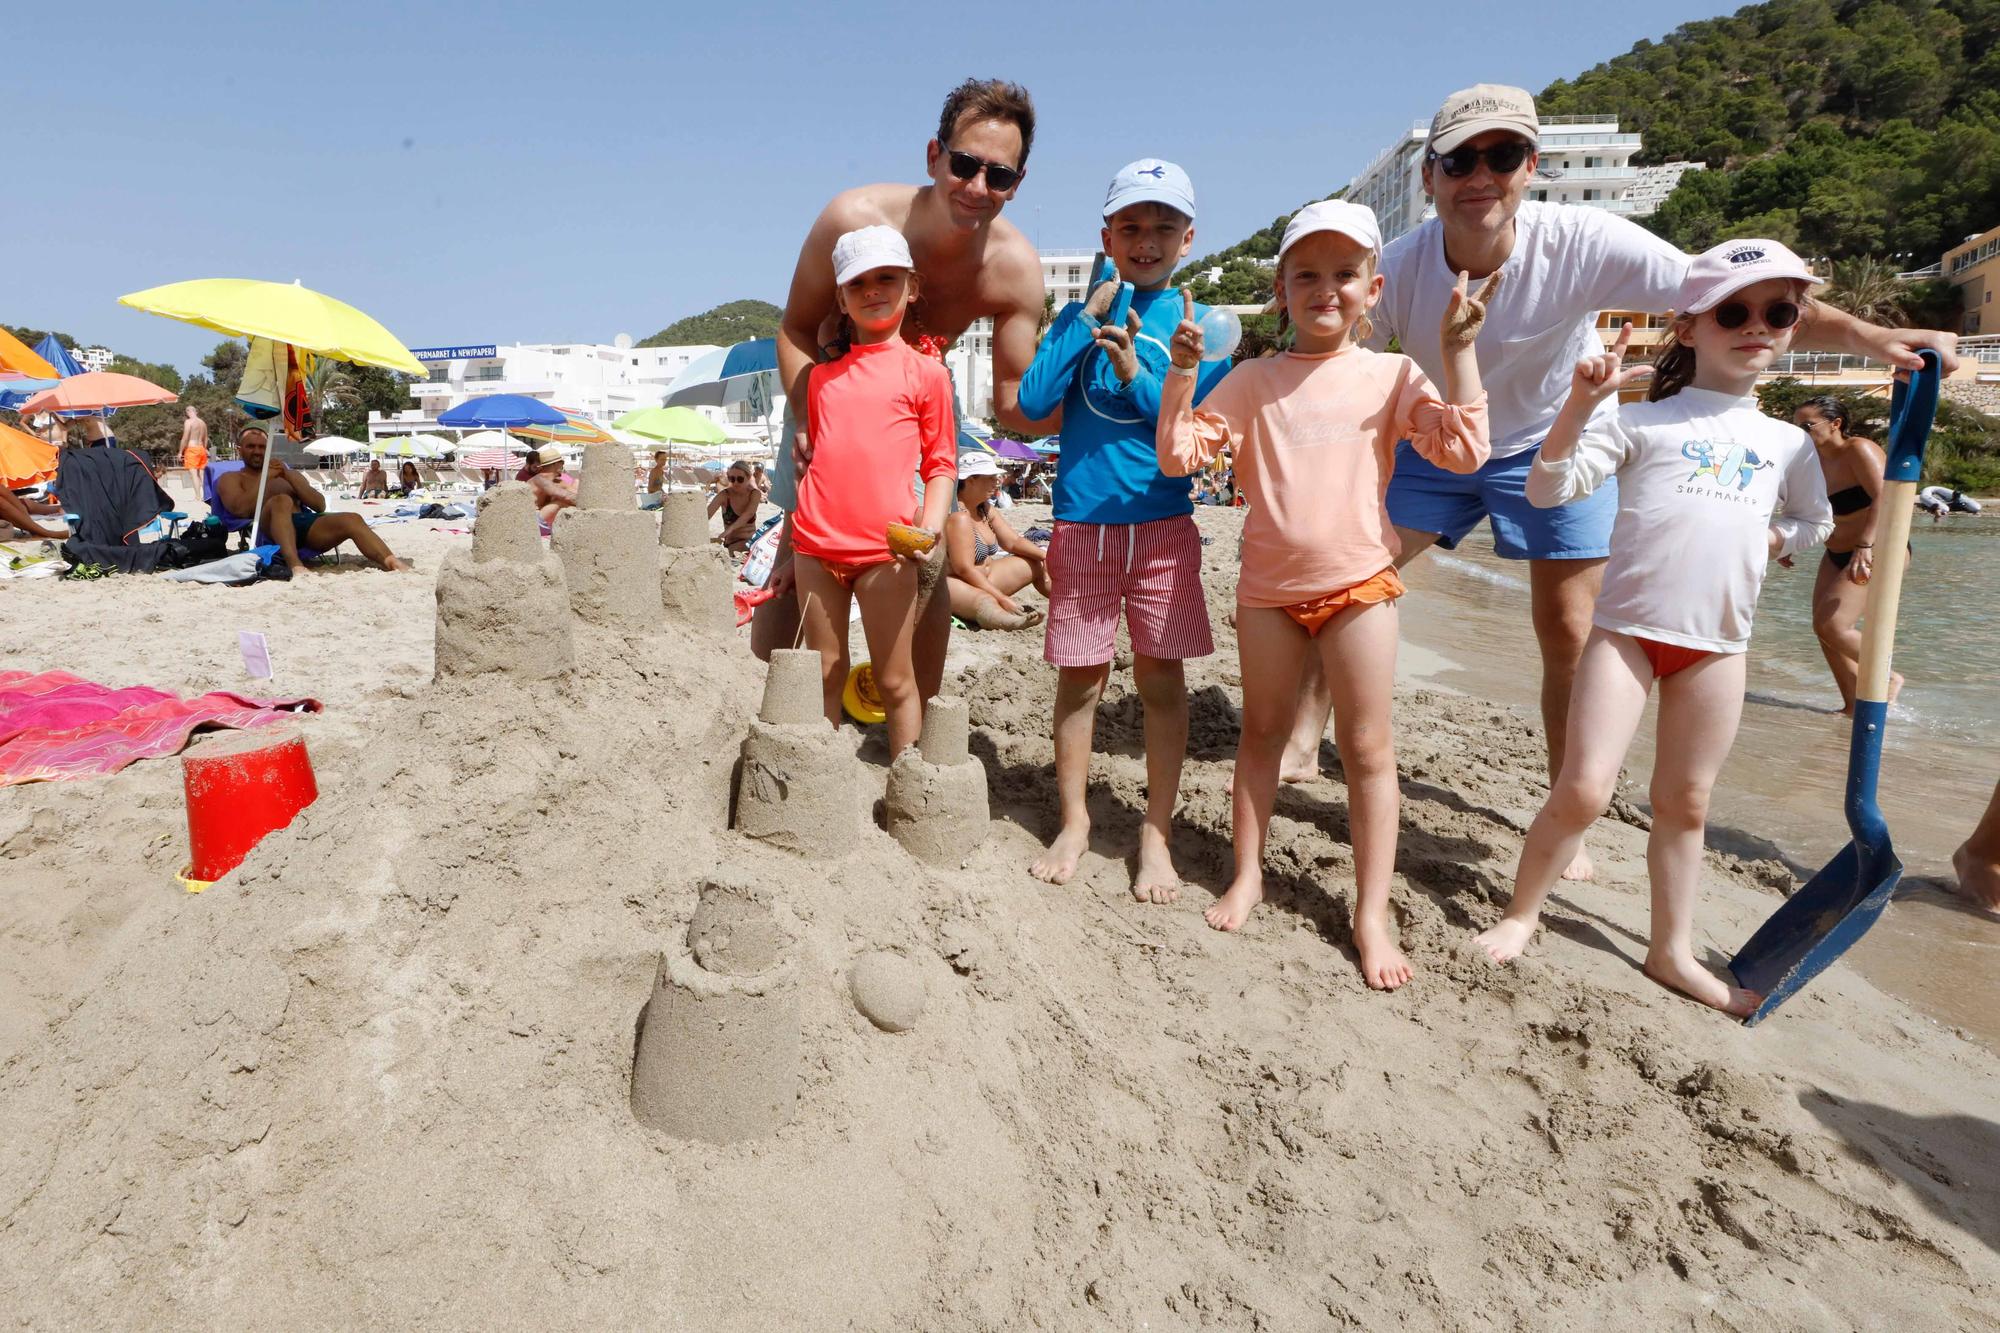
(385,1073)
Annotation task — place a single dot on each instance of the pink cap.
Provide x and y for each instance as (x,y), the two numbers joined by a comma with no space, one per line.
(1722,271)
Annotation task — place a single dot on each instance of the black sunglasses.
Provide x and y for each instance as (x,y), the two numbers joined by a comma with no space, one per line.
(965,166)
(1501,157)
(1777,315)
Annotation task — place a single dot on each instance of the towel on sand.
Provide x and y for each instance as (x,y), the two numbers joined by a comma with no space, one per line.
(55,726)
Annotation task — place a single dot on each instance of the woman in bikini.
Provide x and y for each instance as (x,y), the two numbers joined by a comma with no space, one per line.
(1853,469)
(738,500)
(990,562)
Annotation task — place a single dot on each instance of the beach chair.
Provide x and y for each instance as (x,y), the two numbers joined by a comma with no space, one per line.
(218,513)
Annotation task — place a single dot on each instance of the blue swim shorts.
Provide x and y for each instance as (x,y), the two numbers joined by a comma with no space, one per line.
(1425,498)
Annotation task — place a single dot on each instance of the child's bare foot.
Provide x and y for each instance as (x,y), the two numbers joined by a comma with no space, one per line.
(1157,880)
(1233,908)
(1698,983)
(1383,965)
(1058,863)
(1978,880)
(1580,866)
(1299,767)
(1508,939)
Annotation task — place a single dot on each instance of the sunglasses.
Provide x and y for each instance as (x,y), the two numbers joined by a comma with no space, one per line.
(1501,157)
(965,166)
(1777,315)
(736,478)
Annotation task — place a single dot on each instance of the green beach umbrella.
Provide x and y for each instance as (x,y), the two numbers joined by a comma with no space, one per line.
(672,425)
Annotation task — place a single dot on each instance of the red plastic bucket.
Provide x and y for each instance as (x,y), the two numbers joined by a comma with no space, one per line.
(240,786)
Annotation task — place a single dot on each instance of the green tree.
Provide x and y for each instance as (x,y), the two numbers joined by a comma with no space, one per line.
(724,325)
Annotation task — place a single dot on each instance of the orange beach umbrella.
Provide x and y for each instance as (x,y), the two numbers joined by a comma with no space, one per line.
(24,459)
(95,390)
(18,357)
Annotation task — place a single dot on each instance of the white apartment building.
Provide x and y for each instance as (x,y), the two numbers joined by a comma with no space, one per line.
(601,381)
(1066,277)
(93,358)
(1584,160)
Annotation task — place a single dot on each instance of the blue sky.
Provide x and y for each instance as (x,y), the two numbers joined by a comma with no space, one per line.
(564,172)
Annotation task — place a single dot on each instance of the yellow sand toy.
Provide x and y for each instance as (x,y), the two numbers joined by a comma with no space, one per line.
(860,698)
(906,540)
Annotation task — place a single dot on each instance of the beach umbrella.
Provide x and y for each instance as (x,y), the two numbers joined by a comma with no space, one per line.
(501,411)
(576,428)
(16,388)
(488,449)
(672,425)
(1048,446)
(333,446)
(18,357)
(58,356)
(24,459)
(94,390)
(282,312)
(728,375)
(1015,450)
(409,446)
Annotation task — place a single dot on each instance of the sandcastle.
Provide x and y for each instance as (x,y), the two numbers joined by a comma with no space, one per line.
(504,606)
(800,784)
(607,545)
(936,802)
(718,1057)
(696,578)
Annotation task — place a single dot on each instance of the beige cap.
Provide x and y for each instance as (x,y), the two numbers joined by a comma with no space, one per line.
(1483,107)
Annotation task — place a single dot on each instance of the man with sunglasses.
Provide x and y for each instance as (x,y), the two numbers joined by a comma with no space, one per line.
(970,263)
(1558,265)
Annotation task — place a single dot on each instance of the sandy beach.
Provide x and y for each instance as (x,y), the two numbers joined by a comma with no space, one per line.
(382,1074)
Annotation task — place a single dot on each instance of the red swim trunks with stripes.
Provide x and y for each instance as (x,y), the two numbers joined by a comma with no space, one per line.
(1149,571)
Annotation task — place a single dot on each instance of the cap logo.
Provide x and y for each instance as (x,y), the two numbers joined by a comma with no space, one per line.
(1747,255)
(1156,172)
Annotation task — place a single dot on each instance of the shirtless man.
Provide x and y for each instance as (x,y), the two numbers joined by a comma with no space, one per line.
(551,496)
(293,508)
(973,264)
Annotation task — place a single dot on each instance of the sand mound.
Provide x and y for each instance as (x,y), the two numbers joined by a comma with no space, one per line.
(384,1073)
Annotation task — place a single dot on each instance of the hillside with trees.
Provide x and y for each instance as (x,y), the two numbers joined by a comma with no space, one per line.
(731,322)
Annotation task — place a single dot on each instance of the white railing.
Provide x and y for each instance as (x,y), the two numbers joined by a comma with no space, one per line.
(1919,274)
(1572,140)
(1548,173)
(1808,364)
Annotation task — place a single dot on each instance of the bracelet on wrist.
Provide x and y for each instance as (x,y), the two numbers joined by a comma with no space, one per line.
(1864,546)
(1188,371)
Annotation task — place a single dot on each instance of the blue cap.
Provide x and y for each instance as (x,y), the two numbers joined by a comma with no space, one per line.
(1150,181)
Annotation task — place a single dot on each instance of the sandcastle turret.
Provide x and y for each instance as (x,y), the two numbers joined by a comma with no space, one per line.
(718,1057)
(606,544)
(800,785)
(936,801)
(696,576)
(504,606)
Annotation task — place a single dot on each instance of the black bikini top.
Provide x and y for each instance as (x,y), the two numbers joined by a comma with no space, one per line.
(1852,500)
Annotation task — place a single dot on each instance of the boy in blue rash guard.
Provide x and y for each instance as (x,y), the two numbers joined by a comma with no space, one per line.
(1125,538)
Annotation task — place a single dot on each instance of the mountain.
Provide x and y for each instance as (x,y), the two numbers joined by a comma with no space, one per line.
(729,323)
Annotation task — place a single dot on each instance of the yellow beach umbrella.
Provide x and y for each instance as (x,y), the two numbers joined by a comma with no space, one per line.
(282,312)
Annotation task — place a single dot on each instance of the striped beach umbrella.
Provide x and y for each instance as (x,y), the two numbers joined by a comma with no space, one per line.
(576,428)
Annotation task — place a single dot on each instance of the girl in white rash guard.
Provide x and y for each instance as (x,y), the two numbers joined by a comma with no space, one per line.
(1709,489)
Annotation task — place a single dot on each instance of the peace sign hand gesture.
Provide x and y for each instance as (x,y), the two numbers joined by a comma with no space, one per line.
(1599,377)
(1186,347)
(1463,314)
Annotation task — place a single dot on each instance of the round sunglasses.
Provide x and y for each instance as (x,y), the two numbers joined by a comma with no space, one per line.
(1777,315)
(965,166)
(1464,160)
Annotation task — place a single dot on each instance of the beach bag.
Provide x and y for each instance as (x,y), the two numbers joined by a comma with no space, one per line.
(763,552)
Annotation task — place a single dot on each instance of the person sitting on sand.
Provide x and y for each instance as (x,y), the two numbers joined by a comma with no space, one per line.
(294,510)
(1709,489)
(15,510)
(543,471)
(1315,432)
(737,498)
(408,482)
(374,482)
(989,561)
(760,480)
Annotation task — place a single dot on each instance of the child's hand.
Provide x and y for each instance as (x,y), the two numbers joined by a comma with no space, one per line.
(1599,377)
(1186,348)
(1464,314)
(1116,345)
(1098,304)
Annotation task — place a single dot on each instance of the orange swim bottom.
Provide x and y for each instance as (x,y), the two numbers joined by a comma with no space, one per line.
(1314,613)
(845,573)
(1667,658)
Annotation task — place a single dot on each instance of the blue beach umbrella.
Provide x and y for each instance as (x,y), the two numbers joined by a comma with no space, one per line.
(729,375)
(501,411)
(58,356)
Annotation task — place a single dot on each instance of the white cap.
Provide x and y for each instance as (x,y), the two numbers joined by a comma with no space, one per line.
(868,248)
(1150,181)
(1355,221)
(1482,107)
(1721,271)
(978,463)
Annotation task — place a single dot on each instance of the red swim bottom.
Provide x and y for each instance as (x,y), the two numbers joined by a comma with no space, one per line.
(1667,658)
(846,572)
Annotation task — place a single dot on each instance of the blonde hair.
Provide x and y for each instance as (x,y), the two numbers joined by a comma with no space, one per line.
(1364,328)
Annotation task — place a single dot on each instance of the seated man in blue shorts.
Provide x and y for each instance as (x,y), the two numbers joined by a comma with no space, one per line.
(1560,265)
(294,514)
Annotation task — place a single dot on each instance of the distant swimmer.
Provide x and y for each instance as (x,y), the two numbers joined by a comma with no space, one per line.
(1937,501)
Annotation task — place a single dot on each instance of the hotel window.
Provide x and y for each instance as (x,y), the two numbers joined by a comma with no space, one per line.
(1075,273)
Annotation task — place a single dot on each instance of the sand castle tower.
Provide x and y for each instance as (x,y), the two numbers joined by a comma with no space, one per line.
(504,606)
(606,544)
(719,1046)
(936,803)
(800,785)
(696,577)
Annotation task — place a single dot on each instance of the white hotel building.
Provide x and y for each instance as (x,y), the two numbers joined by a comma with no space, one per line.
(1585,160)
(1066,277)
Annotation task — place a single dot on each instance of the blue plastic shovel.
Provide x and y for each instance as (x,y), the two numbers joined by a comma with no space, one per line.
(1836,907)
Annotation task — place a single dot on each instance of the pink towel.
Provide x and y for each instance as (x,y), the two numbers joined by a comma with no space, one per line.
(55,726)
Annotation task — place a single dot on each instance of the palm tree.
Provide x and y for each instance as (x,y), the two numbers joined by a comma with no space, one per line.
(1868,289)
(329,385)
